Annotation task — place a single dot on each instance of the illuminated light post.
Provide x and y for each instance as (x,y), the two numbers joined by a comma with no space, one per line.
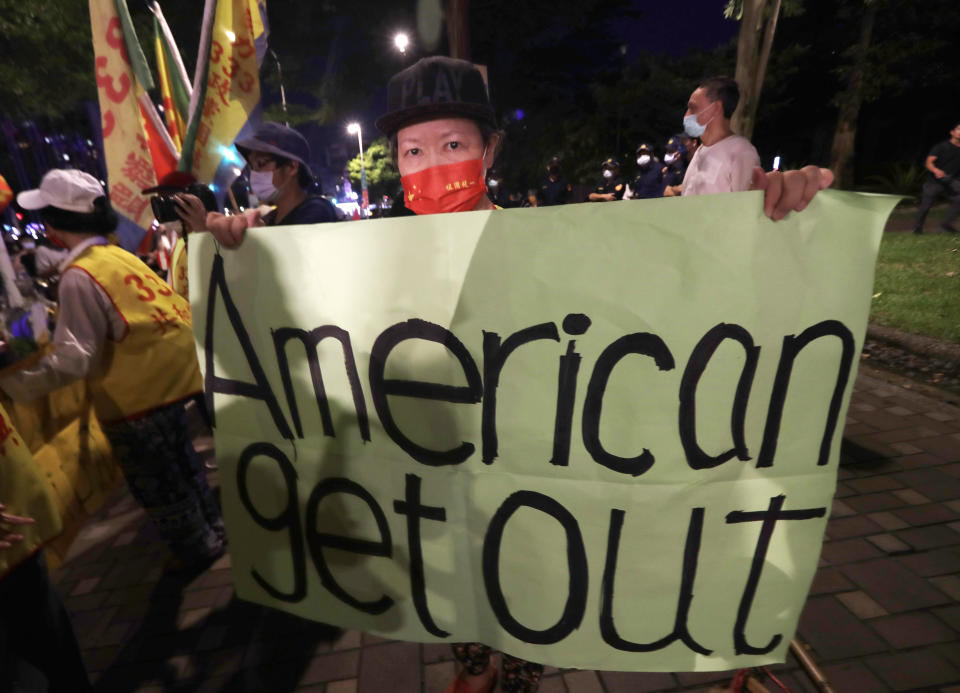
(355,128)
(401,41)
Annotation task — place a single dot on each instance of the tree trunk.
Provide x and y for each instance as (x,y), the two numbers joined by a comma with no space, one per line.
(458,28)
(845,135)
(754,44)
(762,60)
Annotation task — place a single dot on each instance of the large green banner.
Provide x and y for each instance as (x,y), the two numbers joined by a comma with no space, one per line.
(596,436)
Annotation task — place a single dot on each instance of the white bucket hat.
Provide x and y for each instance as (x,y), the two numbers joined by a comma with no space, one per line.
(63,188)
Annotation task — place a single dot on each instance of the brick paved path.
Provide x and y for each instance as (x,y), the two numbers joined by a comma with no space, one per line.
(883,613)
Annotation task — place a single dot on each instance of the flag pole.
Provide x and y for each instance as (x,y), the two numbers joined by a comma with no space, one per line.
(154,7)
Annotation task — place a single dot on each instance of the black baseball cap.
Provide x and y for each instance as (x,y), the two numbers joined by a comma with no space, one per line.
(279,140)
(610,163)
(433,88)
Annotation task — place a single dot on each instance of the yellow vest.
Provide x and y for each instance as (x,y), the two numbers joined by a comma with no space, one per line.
(25,493)
(177,276)
(155,362)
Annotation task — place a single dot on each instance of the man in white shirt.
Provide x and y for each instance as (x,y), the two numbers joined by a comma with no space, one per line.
(726,162)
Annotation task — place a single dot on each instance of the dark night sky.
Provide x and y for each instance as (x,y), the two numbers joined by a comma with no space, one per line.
(675,27)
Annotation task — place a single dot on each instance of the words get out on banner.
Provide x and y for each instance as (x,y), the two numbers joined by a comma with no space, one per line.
(592,436)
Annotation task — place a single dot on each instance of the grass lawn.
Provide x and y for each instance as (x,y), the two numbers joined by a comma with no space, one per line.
(918,283)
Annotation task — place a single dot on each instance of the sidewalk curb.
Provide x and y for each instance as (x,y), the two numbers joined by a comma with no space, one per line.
(909,384)
(918,344)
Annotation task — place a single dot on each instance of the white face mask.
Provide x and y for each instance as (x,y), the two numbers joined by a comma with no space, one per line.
(492,183)
(670,158)
(643,159)
(607,173)
(261,184)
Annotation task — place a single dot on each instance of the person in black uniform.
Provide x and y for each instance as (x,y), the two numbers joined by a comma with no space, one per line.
(554,188)
(690,145)
(496,189)
(531,199)
(649,181)
(612,187)
(674,167)
(943,178)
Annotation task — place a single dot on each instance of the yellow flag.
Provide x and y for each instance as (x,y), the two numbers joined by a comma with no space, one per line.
(25,493)
(229,91)
(175,125)
(126,147)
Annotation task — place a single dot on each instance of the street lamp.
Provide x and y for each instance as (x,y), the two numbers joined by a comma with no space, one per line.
(401,41)
(354,128)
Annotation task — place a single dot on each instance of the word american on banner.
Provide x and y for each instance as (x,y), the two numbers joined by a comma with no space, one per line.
(591,437)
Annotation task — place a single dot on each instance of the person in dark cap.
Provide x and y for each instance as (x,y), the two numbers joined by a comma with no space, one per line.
(497,190)
(554,188)
(612,186)
(279,176)
(443,134)
(649,180)
(674,166)
(444,137)
(690,146)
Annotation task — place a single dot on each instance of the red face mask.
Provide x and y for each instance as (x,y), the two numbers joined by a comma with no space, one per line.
(449,188)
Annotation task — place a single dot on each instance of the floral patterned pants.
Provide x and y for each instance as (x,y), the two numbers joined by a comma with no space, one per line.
(167,479)
(518,675)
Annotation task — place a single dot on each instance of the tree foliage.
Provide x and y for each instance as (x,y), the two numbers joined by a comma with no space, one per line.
(47,65)
(908,85)
(382,176)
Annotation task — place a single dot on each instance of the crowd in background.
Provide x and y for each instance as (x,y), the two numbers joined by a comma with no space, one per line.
(652,176)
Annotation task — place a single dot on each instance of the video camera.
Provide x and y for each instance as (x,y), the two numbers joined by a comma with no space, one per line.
(165,209)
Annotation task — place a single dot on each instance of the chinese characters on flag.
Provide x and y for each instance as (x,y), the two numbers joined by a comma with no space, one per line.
(232,84)
(127,150)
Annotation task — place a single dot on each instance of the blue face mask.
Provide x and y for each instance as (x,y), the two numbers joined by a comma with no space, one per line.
(692,127)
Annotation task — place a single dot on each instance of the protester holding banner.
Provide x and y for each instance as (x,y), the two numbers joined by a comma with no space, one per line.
(128,334)
(726,162)
(34,625)
(279,176)
(443,131)
(444,142)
